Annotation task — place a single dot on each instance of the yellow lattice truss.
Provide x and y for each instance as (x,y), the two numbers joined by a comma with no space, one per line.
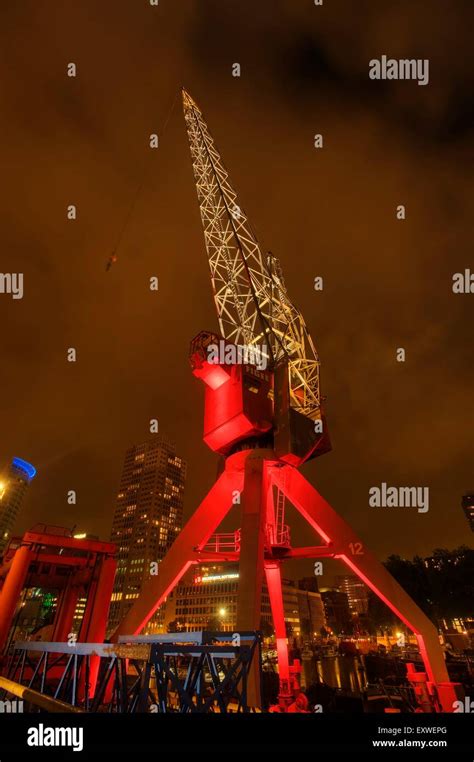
(251,300)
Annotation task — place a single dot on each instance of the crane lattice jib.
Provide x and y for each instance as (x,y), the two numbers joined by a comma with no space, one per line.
(253,307)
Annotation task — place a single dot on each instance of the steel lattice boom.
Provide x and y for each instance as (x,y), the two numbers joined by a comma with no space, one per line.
(252,303)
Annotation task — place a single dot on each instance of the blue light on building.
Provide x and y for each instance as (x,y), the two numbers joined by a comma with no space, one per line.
(24,466)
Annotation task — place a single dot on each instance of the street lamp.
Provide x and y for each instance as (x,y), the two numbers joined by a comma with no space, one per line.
(222,614)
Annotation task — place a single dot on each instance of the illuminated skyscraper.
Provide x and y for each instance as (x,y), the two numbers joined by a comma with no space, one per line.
(148,516)
(357,593)
(14,483)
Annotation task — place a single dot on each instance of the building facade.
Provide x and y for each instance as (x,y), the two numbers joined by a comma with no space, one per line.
(357,593)
(148,516)
(206,598)
(337,611)
(14,483)
(310,608)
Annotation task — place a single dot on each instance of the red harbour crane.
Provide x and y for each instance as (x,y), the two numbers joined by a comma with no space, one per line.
(263,414)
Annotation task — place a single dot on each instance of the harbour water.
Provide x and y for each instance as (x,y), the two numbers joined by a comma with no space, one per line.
(345,672)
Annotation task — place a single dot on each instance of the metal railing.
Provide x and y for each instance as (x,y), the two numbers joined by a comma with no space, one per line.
(223,542)
(177,672)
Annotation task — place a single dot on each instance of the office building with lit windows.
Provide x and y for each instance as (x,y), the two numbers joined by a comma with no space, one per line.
(148,516)
(206,598)
(14,483)
(357,592)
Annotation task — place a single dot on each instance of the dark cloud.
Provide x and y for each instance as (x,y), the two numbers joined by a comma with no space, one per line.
(308,53)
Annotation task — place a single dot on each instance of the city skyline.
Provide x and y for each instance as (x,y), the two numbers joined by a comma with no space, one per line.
(100,526)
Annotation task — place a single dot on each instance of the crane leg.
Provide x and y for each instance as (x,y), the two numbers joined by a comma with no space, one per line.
(273,576)
(252,544)
(349,548)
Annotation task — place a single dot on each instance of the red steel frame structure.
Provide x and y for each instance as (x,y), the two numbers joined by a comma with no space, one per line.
(50,557)
(254,474)
(265,423)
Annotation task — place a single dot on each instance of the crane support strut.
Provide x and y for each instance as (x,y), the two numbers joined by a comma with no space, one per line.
(253,472)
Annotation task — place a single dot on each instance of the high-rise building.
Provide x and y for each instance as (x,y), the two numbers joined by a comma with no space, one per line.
(468,508)
(148,516)
(337,611)
(356,591)
(311,608)
(14,483)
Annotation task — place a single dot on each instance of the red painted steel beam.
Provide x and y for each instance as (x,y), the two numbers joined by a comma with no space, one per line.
(59,560)
(316,551)
(210,558)
(64,617)
(96,613)
(355,554)
(253,505)
(11,590)
(58,541)
(273,576)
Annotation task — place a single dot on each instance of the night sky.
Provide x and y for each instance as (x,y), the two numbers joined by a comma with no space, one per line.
(328,212)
